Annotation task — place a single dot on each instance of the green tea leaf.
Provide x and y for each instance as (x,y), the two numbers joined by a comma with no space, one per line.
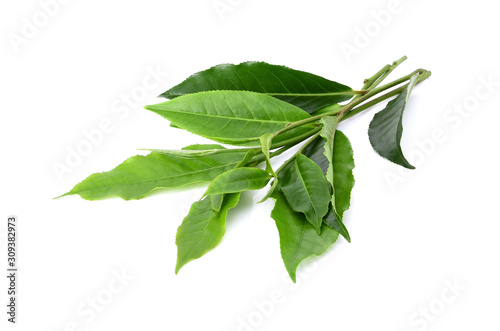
(386,128)
(232,117)
(332,220)
(248,157)
(139,175)
(238,180)
(265,141)
(306,190)
(343,179)
(316,152)
(328,133)
(298,238)
(338,151)
(299,88)
(202,229)
(216,202)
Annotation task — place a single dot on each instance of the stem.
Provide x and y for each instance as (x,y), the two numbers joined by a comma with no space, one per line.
(352,92)
(374,102)
(295,140)
(353,103)
(382,88)
(394,65)
(381,98)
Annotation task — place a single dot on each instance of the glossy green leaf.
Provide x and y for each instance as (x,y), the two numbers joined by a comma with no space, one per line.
(232,117)
(328,133)
(202,229)
(298,238)
(139,175)
(316,152)
(332,220)
(299,88)
(265,141)
(238,180)
(338,151)
(386,128)
(306,190)
(343,178)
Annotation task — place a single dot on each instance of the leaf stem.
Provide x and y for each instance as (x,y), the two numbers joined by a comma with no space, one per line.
(356,101)
(381,98)
(352,92)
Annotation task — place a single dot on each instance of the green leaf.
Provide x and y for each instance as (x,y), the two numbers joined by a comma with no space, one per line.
(343,179)
(298,238)
(265,141)
(338,151)
(332,220)
(248,156)
(299,88)
(306,190)
(316,152)
(202,229)
(238,180)
(386,128)
(328,133)
(216,202)
(232,117)
(139,175)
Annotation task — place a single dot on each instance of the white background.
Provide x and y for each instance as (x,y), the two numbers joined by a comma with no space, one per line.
(432,227)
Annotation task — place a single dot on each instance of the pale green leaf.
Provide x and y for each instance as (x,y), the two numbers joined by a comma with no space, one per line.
(139,175)
(238,180)
(233,117)
(202,229)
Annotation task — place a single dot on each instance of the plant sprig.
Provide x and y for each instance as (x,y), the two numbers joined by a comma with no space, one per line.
(265,110)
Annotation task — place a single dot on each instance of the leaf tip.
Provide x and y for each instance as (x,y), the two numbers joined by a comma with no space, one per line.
(179,266)
(62,195)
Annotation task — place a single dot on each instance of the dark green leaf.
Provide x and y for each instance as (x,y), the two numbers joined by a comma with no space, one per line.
(298,238)
(386,129)
(232,117)
(315,151)
(139,175)
(238,180)
(306,190)
(202,229)
(299,88)
(332,221)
